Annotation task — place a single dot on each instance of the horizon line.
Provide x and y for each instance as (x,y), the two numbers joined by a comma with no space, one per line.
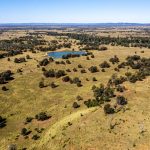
(75,23)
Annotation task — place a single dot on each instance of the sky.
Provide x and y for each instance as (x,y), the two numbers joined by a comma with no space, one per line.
(74,11)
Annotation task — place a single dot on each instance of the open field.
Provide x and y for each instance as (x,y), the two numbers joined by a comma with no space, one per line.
(71,128)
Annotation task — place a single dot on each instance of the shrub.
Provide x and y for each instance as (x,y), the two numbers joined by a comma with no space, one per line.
(79,84)
(42,116)
(25,132)
(57,62)
(108,109)
(6,76)
(62,62)
(53,85)
(68,62)
(19,70)
(19,60)
(105,64)
(94,79)
(120,88)
(68,70)
(103,48)
(50,73)
(93,69)
(87,58)
(116,69)
(66,79)
(103,70)
(41,84)
(75,105)
(91,103)
(2,122)
(121,100)
(12,147)
(76,80)
(92,56)
(43,69)
(80,66)
(83,71)
(114,60)
(60,73)
(75,70)
(79,98)
(4,88)
(51,59)
(35,137)
(28,57)
(44,62)
(28,119)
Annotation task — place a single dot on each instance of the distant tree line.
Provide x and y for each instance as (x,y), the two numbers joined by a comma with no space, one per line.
(93,42)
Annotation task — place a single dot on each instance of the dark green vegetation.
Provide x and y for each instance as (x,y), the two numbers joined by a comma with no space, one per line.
(2,122)
(93,42)
(6,76)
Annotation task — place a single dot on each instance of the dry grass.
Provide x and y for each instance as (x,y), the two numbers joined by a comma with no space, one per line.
(24,98)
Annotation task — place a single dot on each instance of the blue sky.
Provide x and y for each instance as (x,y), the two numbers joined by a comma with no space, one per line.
(74,11)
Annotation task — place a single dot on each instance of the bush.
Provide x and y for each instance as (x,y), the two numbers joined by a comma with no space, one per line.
(76,80)
(57,62)
(60,73)
(50,73)
(43,69)
(28,119)
(66,79)
(94,79)
(2,122)
(75,105)
(87,58)
(68,70)
(92,56)
(120,88)
(103,48)
(41,84)
(44,62)
(80,66)
(53,85)
(121,100)
(51,59)
(105,64)
(114,60)
(79,84)
(91,103)
(62,62)
(93,69)
(103,70)
(42,116)
(25,132)
(4,88)
(83,71)
(35,137)
(6,76)
(19,70)
(28,57)
(19,60)
(108,109)
(75,70)
(79,98)
(68,62)
(12,147)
